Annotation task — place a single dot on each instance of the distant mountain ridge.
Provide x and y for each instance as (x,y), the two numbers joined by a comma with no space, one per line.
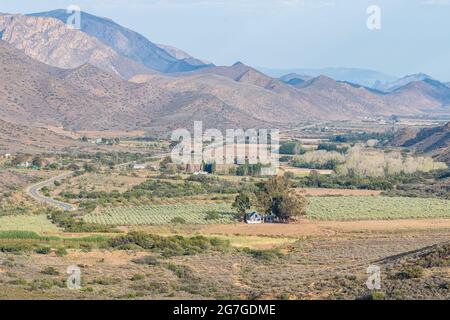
(363,77)
(394,85)
(54,75)
(295,79)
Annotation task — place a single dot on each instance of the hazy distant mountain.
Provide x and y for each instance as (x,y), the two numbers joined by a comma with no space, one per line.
(295,79)
(394,85)
(432,141)
(50,41)
(423,96)
(130,44)
(362,77)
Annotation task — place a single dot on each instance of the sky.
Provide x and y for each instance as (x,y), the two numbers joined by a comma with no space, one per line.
(414,35)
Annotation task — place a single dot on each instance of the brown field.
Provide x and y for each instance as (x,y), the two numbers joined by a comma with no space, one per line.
(304,228)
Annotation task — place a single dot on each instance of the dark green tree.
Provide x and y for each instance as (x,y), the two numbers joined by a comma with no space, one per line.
(276,196)
(242,203)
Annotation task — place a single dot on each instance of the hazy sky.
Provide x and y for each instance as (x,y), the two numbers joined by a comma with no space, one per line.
(414,35)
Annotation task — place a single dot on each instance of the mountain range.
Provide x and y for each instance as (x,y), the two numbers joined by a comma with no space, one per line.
(130,44)
(107,77)
(362,77)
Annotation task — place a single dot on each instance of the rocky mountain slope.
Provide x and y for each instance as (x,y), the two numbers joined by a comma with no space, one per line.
(91,99)
(130,44)
(433,141)
(50,41)
(88,98)
(22,139)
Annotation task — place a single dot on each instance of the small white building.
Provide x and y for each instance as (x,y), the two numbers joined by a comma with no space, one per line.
(254,217)
(139,166)
(200,173)
(25,164)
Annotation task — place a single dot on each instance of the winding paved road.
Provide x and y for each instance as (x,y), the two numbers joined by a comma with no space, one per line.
(33,191)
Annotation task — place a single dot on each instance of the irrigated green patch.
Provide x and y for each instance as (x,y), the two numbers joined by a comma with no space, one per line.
(36,223)
(376,208)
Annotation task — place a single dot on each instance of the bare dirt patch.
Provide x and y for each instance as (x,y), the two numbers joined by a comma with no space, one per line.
(307,228)
(101,256)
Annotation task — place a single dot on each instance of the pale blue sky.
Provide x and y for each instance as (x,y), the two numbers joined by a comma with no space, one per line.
(414,35)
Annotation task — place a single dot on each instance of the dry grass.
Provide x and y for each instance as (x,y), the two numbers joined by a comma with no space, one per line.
(101,182)
(311,268)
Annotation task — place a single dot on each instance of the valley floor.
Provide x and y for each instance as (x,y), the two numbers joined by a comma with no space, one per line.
(329,261)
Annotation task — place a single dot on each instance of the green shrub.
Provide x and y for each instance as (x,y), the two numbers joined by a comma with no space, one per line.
(168,246)
(106,281)
(50,271)
(15,248)
(212,215)
(137,277)
(60,252)
(69,222)
(410,272)
(147,260)
(378,295)
(178,220)
(264,255)
(43,250)
(18,282)
(182,272)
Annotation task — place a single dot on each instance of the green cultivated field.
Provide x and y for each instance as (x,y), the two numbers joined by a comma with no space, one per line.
(376,208)
(36,223)
(320,208)
(162,214)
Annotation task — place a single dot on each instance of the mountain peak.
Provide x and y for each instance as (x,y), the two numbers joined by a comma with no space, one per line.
(323,80)
(418,76)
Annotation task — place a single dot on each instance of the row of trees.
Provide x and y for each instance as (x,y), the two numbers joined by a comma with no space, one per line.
(272,196)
